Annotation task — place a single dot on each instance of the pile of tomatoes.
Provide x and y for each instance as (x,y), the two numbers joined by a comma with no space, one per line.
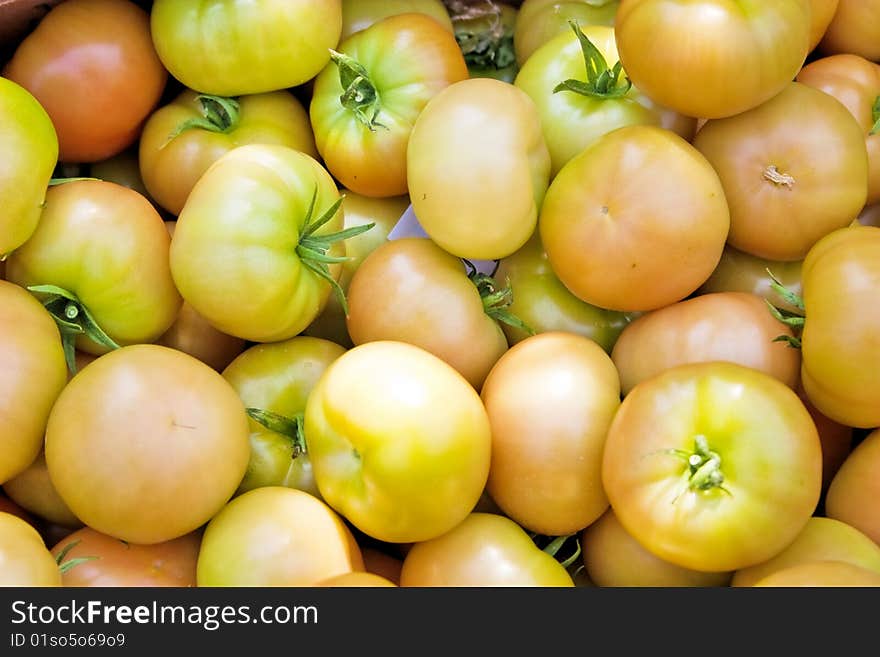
(441,293)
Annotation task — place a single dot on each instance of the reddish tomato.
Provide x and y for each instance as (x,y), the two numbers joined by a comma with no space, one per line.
(24,559)
(8,506)
(822,573)
(383,564)
(854,490)
(854,29)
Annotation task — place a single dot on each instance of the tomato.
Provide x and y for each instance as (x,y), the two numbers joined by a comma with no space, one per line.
(249,250)
(160,454)
(854,30)
(90,558)
(93,67)
(713,466)
(24,558)
(837,439)
(821,573)
(485,36)
(239,48)
(855,82)
(181,139)
(612,557)
(729,326)
(788,185)
(122,169)
(360,210)
(356,579)
(578,107)
(274,381)
(839,346)
(821,14)
(92,232)
(822,539)
(538,21)
(478,168)
(33,375)
(30,147)
(399,441)
(382,564)
(358,15)
(411,290)
(8,506)
(852,495)
(33,490)
(714,58)
(636,221)
(483,550)
(550,401)
(276,536)
(870,215)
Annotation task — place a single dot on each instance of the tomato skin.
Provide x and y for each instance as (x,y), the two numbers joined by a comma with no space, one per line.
(712,59)
(381,563)
(550,401)
(770,464)
(636,221)
(483,550)
(399,441)
(478,168)
(841,285)
(358,15)
(852,495)
(170,168)
(24,558)
(29,141)
(33,490)
(275,536)
(787,186)
(729,326)
(538,21)
(821,14)
(356,579)
(195,45)
(822,573)
(93,67)
(854,30)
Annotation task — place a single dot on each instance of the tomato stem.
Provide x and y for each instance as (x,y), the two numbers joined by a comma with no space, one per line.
(794,320)
(359,94)
(291,428)
(775,176)
(875,116)
(602,81)
(65,566)
(496,301)
(483,47)
(703,466)
(219,114)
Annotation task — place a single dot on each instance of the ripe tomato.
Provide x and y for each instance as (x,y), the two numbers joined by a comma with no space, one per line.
(33,374)
(636,221)
(90,558)
(788,185)
(854,30)
(276,536)
(93,67)
(24,558)
(30,147)
(32,489)
(713,466)
(182,139)
(365,102)
(822,573)
(399,441)
(164,417)
(550,401)
(714,58)
(358,15)
(483,550)
(478,168)
(274,381)
(854,490)
(240,48)
(382,563)
(538,21)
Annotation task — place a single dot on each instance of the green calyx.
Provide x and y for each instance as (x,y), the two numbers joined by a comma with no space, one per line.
(312,248)
(65,566)
(291,428)
(875,116)
(496,300)
(794,320)
(73,319)
(703,471)
(602,81)
(482,36)
(359,94)
(219,114)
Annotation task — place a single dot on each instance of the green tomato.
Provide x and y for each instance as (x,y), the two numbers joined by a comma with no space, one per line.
(538,21)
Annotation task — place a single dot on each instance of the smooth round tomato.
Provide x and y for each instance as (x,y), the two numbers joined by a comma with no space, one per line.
(730,326)
(612,557)
(483,550)
(713,58)
(854,30)
(90,558)
(713,466)
(24,558)
(33,375)
(478,168)
(550,401)
(821,14)
(839,347)
(538,21)
(399,441)
(358,15)
(242,48)
(93,67)
(485,36)
(367,99)
(274,381)
(853,493)
(30,149)
(837,439)
(161,453)
(249,250)
(822,539)
(821,573)
(788,185)
(276,536)
(181,139)
(411,290)
(33,490)
(636,221)
(581,93)
(356,579)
